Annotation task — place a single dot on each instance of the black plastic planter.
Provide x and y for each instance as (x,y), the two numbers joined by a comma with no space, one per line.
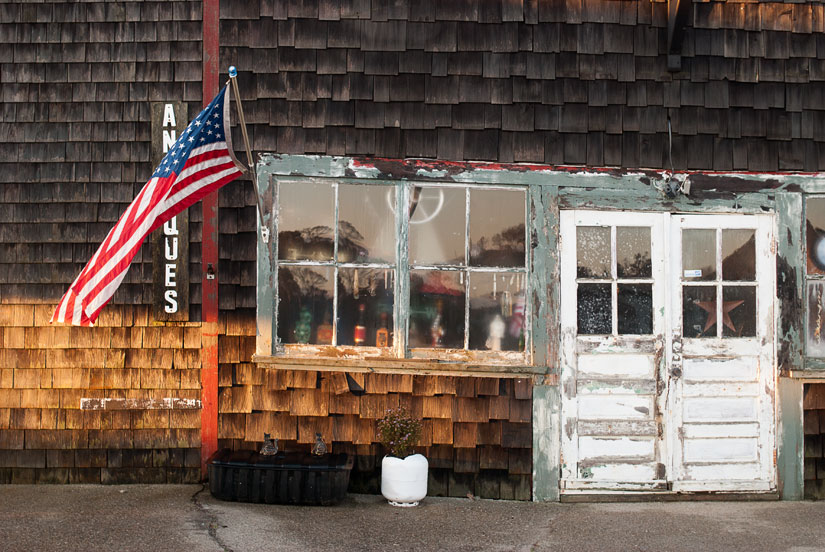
(285,478)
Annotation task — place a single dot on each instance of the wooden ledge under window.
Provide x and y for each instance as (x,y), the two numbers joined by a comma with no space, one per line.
(383,365)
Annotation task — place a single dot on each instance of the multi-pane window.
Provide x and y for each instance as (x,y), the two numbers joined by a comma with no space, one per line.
(446,271)
(615,280)
(719,282)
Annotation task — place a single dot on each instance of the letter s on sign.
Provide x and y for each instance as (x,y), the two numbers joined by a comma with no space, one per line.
(171,305)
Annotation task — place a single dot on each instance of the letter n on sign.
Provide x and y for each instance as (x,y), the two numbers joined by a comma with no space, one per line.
(170,243)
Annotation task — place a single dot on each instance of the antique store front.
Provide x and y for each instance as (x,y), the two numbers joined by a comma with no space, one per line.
(644,308)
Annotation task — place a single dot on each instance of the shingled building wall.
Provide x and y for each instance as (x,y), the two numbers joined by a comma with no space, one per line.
(576,82)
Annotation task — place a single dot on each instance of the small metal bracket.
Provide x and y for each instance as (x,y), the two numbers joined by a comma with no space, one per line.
(265,234)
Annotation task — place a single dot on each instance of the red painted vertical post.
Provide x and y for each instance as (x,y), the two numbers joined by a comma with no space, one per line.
(209,327)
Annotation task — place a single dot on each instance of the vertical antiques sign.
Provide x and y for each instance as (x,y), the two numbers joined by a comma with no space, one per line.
(170,243)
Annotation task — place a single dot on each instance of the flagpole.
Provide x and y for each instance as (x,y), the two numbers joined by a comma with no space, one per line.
(233,74)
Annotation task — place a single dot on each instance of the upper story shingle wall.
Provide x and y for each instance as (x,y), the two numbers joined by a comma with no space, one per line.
(562,82)
(76,82)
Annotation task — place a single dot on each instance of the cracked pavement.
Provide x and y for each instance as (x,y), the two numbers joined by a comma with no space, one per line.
(187,518)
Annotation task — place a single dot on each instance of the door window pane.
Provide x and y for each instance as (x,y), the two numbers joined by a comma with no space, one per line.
(496,312)
(739,311)
(436,309)
(366,224)
(635,309)
(306,233)
(304,302)
(593,252)
(437,219)
(699,311)
(595,315)
(496,228)
(365,302)
(633,252)
(698,255)
(739,255)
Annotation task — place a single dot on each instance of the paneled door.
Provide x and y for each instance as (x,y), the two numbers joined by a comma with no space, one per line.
(667,356)
(613,282)
(722,375)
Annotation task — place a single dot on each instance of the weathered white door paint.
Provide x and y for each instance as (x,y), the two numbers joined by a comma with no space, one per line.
(722,377)
(612,433)
(678,402)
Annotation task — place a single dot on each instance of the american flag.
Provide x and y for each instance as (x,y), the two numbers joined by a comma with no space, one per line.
(200,162)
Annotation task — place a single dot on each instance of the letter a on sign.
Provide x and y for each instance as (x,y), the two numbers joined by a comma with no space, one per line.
(169,116)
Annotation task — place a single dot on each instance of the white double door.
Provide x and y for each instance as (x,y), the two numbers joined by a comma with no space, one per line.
(667,358)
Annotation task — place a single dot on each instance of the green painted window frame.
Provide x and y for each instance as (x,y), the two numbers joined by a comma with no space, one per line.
(268,294)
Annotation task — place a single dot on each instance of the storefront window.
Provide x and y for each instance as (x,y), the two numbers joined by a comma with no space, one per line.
(459,252)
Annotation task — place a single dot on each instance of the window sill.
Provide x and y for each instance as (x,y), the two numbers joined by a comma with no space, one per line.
(384,365)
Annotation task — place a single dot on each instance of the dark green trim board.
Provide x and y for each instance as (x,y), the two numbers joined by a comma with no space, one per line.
(790,439)
(546,442)
(790,279)
(543,232)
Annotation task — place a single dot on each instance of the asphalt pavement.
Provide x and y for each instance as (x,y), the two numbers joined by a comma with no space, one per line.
(187,518)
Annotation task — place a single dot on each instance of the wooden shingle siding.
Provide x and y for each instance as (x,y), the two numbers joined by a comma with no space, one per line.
(814,427)
(75,82)
(476,80)
(461,432)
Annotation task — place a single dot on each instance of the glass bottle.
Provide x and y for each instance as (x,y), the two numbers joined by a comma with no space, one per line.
(382,334)
(324,334)
(437,327)
(360,333)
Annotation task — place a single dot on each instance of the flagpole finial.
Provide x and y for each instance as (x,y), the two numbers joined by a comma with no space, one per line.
(233,72)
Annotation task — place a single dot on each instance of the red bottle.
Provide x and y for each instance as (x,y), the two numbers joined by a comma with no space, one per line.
(360,333)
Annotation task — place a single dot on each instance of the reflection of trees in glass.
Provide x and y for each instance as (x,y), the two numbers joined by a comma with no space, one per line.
(504,249)
(369,280)
(317,243)
(296,282)
(639,268)
(304,297)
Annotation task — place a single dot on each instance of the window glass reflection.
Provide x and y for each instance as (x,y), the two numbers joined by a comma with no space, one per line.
(497,311)
(635,309)
(699,311)
(366,224)
(304,302)
(365,303)
(815,234)
(739,255)
(633,252)
(816,320)
(593,252)
(738,311)
(437,309)
(437,221)
(698,254)
(496,228)
(306,233)
(594,304)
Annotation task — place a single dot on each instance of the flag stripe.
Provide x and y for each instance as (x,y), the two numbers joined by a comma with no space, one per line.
(186,175)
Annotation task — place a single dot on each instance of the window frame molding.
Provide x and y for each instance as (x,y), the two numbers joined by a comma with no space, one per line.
(269,348)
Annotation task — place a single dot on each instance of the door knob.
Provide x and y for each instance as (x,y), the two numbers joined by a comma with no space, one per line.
(676,372)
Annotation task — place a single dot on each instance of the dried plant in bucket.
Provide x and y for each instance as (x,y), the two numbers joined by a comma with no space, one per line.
(399,432)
